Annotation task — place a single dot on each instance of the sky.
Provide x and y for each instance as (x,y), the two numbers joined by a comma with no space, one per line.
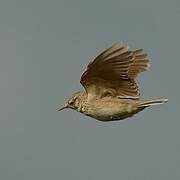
(44,48)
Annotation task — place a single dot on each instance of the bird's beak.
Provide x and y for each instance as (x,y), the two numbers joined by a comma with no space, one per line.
(64,107)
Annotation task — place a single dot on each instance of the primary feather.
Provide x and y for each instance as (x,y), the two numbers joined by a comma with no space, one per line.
(115,69)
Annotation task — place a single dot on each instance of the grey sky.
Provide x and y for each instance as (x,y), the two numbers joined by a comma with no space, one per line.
(44,48)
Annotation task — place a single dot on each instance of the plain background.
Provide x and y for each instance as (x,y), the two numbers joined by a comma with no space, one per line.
(44,47)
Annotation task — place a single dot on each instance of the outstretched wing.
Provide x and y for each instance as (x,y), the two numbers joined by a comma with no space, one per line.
(113,72)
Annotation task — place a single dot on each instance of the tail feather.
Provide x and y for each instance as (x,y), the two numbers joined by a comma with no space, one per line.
(152,102)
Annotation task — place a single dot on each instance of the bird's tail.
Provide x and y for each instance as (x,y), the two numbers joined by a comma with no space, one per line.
(147,103)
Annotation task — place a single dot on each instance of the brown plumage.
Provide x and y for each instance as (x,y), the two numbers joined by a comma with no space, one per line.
(116,68)
(111,92)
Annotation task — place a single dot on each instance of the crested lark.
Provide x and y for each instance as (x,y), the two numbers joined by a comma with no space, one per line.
(111,92)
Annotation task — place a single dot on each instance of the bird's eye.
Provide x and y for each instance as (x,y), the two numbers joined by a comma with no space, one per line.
(71,103)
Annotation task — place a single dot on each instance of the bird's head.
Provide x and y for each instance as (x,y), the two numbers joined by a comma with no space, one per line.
(72,102)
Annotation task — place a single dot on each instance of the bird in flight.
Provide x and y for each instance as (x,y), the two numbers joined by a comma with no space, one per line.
(111,92)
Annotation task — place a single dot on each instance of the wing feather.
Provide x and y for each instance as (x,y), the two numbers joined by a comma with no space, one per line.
(115,69)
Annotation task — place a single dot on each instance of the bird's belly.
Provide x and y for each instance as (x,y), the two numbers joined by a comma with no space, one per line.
(112,113)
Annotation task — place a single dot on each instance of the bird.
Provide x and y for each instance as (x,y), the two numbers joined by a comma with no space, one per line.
(110,90)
